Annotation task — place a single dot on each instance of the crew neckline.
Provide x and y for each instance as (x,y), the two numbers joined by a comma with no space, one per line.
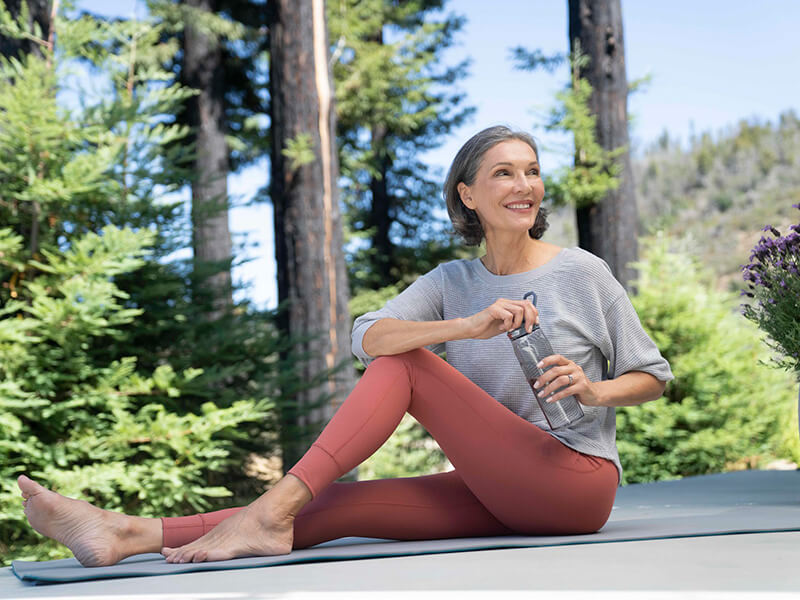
(535,273)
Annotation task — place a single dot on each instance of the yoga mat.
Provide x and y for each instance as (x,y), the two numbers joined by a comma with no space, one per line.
(720,504)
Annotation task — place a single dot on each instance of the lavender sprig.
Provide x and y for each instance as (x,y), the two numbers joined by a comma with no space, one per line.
(773,283)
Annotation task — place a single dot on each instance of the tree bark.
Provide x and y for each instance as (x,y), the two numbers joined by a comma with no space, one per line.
(312,278)
(380,216)
(205,113)
(609,228)
(39,12)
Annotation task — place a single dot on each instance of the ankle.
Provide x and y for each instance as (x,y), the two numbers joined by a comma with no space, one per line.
(287,497)
(141,534)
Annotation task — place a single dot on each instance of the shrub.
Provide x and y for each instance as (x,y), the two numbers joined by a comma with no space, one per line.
(726,409)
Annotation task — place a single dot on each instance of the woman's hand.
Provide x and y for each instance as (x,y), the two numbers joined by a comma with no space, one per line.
(562,372)
(503,315)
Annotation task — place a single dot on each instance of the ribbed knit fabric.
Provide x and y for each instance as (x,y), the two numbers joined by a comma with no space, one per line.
(583,309)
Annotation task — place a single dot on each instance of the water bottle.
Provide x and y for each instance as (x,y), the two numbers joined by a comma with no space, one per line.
(531,348)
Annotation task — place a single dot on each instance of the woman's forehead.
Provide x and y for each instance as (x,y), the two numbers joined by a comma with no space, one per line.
(509,151)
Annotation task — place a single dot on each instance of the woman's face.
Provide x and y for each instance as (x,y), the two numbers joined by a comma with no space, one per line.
(508,189)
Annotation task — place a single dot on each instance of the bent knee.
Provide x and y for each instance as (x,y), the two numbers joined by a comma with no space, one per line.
(415,355)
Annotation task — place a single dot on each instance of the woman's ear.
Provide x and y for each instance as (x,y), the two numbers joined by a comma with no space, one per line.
(465,195)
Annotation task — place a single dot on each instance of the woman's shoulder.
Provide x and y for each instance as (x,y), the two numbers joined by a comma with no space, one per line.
(591,271)
(584,260)
(456,266)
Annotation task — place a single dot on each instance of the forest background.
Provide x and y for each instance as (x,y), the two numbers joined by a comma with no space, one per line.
(124,383)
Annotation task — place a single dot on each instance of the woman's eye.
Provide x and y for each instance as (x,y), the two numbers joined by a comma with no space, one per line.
(534,172)
(501,172)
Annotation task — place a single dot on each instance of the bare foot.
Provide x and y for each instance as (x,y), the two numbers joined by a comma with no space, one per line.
(253,531)
(96,537)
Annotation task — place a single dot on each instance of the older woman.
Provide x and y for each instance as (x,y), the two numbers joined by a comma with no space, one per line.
(512,474)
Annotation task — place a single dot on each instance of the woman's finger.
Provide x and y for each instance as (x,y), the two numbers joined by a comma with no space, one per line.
(552,373)
(510,315)
(562,388)
(552,360)
(504,315)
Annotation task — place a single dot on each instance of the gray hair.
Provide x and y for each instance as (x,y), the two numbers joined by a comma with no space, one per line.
(465,169)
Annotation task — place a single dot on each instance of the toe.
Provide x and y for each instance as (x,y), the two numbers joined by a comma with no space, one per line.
(29,487)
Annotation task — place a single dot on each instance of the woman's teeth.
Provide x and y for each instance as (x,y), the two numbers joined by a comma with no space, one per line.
(518,206)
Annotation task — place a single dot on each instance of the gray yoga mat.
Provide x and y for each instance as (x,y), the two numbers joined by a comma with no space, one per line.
(721,504)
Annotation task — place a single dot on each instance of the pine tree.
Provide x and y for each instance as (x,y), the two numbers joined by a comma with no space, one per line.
(201,69)
(608,228)
(312,280)
(394,102)
(76,409)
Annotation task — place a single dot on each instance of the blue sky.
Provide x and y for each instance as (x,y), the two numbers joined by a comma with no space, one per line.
(712,63)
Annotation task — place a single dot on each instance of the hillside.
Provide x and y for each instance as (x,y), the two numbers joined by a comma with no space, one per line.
(715,196)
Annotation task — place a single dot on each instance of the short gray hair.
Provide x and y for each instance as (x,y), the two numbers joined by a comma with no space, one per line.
(465,169)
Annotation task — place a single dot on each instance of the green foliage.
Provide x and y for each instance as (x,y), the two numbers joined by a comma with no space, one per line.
(238,29)
(394,101)
(595,170)
(112,388)
(94,429)
(720,188)
(409,452)
(726,409)
(299,150)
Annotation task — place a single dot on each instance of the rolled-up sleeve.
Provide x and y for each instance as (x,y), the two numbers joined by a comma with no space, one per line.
(631,349)
(423,300)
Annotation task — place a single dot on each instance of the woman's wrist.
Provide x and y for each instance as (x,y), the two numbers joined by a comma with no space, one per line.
(630,389)
(462,327)
(599,393)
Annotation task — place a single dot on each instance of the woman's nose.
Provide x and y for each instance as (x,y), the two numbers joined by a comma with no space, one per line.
(521,183)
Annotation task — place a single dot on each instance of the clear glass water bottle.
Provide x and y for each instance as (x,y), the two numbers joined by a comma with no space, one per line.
(531,348)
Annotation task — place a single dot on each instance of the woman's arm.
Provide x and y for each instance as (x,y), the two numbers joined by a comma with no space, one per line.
(394,336)
(629,389)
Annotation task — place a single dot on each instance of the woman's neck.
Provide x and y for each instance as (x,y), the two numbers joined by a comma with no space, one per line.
(517,257)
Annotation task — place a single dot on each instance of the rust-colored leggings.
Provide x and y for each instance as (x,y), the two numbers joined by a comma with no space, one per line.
(510,477)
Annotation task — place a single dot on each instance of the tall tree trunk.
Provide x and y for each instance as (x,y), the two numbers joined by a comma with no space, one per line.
(608,228)
(38,12)
(379,187)
(211,238)
(308,232)
(380,218)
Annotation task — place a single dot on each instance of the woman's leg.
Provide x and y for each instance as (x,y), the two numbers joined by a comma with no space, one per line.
(404,508)
(526,481)
(96,537)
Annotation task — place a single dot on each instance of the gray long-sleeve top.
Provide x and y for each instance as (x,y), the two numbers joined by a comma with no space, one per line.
(583,309)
